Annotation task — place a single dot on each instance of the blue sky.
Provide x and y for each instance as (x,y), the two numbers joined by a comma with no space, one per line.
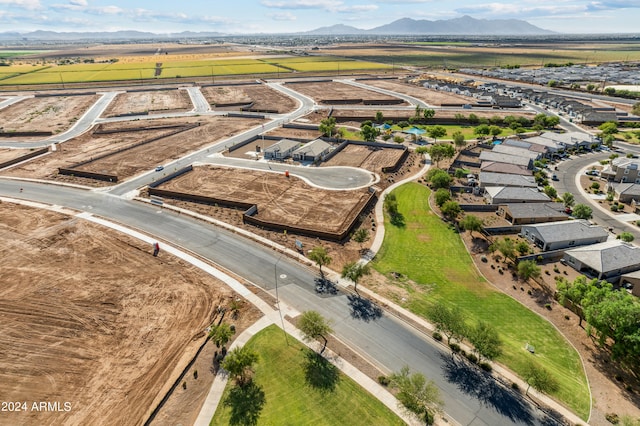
(277,16)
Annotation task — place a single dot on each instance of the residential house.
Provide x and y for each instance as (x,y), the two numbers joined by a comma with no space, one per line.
(631,282)
(552,146)
(507,194)
(506,158)
(312,151)
(517,151)
(623,170)
(573,140)
(281,149)
(557,236)
(506,179)
(525,144)
(605,261)
(625,192)
(495,167)
(525,213)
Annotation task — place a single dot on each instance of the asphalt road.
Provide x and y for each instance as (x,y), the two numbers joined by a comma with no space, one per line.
(471,397)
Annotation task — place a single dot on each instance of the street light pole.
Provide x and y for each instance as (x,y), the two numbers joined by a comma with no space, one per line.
(275,273)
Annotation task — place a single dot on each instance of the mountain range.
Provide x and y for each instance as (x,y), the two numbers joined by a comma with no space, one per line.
(465,25)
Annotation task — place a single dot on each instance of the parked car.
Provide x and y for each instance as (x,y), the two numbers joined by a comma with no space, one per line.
(159,168)
(554,177)
(593,173)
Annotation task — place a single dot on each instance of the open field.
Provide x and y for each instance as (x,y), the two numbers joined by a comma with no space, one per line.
(458,56)
(326,92)
(44,114)
(365,158)
(131,162)
(149,102)
(108,332)
(280,200)
(254,97)
(429,96)
(290,397)
(453,279)
(8,154)
(362,114)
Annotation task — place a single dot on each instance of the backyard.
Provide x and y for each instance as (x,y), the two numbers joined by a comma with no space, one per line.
(295,392)
(415,251)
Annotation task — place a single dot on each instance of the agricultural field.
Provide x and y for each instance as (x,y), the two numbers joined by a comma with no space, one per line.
(108,332)
(45,114)
(149,102)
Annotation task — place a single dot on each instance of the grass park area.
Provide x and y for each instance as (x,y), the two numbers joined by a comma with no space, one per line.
(300,392)
(439,270)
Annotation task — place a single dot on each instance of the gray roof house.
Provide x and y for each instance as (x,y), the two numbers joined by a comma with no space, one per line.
(605,261)
(506,179)
(570,139)
(281,149)
(497,157)
(525,213)
(506,195)
(525,144)
(552,146)
(312,151)
(560,235)
(626,192)
(514,150)
(495,167)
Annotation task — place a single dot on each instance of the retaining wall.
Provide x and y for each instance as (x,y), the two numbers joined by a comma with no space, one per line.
(171,176)
(31,154)
(90,175)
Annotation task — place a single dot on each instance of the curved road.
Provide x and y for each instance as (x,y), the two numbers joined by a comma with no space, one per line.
(471,398)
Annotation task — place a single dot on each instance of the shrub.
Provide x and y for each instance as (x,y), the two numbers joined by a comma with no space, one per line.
(398,139)
(484,259)
(548,306)
(567,317)
(384,380)
(612,418)
(614,208)
(556,270)
(437,336)
(486,366)
(454,347)
(472,358)
(515,386)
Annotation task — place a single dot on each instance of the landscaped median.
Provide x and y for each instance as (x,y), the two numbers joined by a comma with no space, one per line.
(300,388)
(436,268)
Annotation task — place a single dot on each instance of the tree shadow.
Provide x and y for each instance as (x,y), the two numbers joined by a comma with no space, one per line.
(397,219)
(246,403)
(487,390)
(363,309)
(319,373)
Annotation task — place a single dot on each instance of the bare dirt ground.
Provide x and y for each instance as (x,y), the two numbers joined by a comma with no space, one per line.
(365,157)
(149,102)
(46,114)
(429,96)
(8,154)
(136,160)
(108,332)
(328,91)
(258,96)
(283,132)
(405,114)
(289,201)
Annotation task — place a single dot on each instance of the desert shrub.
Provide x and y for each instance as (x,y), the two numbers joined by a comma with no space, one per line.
(515,386)
(472,358)
(437,336)
(486,366)
(455,347)
(384,380)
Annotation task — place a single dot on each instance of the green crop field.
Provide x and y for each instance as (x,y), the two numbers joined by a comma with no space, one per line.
(291,399)
(230,69)
(6,54)
(416,251)
(336,66)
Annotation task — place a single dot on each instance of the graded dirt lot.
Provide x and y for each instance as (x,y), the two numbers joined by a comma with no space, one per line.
(429,96)
(253,97)
(288,201)
(326,92)
(365,157)
(131,162)
(45,114)
(149,102)
(8,154)
(90,317)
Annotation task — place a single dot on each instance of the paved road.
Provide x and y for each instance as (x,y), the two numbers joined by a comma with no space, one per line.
(200,103)
(471,398)
(412,100)
(332,178)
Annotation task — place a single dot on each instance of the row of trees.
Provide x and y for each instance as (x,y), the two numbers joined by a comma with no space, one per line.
(613,315)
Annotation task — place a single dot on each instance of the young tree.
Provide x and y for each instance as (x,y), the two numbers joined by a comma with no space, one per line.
(471,223)
(448,321)
(582,211)
(238,363)
(473,119)
(551,121)
(528,269)
(379,117)
(220,334)
(458,139)
(354,271)
(568,199)
(321,257)
(441,151)
(551,192)
(481,131)
(495,130)
(313,325)
(361,236)
(418,112)
(391,204)
(505,246)
(428,113)
(418,395)
(486,341)
(441,196)
(369,133)
(328,126)
(436,132)
(627,237)
(609,128)
(438,178)
(539,378)
(523,247)
(450,210)
(636,109)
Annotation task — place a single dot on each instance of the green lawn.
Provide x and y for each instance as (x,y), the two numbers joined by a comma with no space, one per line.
(431,254)
(290,399)
(467,131)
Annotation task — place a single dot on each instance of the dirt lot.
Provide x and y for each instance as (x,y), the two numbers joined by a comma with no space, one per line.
(136,160)
(328,91)
(365,157)
(257,97)
(108,332)
(289,201)
(54,113)
(429,96)
(151,102)
(8,154)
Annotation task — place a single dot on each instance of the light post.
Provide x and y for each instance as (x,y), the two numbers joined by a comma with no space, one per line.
(275,273)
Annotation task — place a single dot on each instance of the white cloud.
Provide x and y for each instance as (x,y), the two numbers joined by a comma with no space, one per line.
(357,8)
(25,4)
(303,4)
(286,16)
(78,3)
